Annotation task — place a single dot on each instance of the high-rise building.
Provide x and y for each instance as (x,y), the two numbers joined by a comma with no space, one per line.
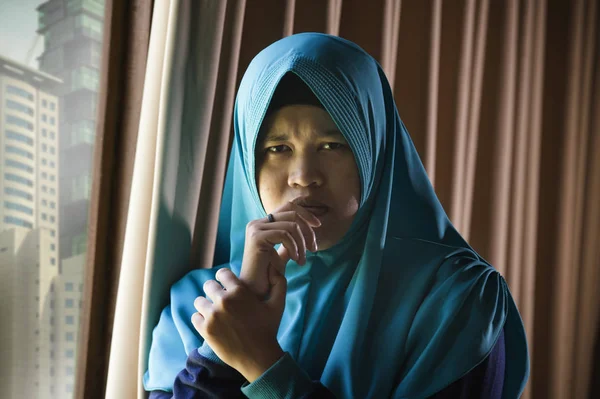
(72,31)
(29,223)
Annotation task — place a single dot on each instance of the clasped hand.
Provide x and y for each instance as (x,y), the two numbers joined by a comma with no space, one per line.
(234,318)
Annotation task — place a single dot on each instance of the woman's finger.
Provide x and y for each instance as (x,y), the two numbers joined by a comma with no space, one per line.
(227,279)
(297,234)
(203,305)
(306,229)
(283,237)
(213,290)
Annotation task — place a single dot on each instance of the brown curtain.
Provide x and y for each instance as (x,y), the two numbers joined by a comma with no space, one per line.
(502,100)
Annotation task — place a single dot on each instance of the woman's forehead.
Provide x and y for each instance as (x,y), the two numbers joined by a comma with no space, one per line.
(299,120)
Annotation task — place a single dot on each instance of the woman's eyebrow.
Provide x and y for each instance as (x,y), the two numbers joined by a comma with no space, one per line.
(280,136)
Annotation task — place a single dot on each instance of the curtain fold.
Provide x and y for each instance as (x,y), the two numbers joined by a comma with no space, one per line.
(502,100)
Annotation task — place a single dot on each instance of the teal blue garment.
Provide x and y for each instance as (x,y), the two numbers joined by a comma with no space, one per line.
(402,306)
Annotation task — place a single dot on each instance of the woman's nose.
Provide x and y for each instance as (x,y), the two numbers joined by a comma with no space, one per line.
(305,172)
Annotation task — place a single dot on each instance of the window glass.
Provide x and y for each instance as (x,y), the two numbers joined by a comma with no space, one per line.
(49,85)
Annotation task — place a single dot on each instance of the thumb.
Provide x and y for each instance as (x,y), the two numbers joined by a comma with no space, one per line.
(278,289)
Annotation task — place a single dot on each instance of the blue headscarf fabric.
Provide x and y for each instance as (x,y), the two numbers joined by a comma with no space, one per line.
(402,306)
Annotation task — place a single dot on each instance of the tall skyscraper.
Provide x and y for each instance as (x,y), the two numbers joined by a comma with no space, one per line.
(72,31)
(29,223)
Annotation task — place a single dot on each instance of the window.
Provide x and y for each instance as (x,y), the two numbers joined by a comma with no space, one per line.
(15,150)
(19,137)
(41,120)
(18,179)
(17,222)
(18,207)
(68,303)
(10,104)
(19,92)
(79,244)
(18,165)
(18,193)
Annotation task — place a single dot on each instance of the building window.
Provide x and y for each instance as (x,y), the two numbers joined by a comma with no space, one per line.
(52,219)
(44,148)
(44,175)
(18,151)
(44,103)
(53,261)
(44,216)
(18,179)
(44,118)
(52,233)
(69,303)
(52,121)
(52,106)
(68,287)
(44,132)
(44,189)
(52,150)
(44,161)
(18,207)
(18,193)
(69,320)
(15,120)
(19,92)
(19,137)
(44,202)
(52,178)
(69,371)
(18,165)
(17,222)
(53,247)
(52,204)
(52,135)
(10,104)
(69,353)
(52,191)
(79,244)
(52,164)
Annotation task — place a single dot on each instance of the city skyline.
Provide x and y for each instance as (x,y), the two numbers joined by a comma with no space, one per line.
(48,102)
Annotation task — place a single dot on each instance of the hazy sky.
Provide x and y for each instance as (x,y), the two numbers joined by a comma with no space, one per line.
(18,23)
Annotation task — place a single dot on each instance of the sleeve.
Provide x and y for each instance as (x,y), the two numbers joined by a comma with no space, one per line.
(486,381)
(206,376)
(286,380)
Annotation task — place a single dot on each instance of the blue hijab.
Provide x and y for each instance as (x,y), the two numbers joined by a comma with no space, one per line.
(402,306)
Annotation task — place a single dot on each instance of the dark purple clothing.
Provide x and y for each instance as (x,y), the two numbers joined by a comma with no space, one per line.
(203,378)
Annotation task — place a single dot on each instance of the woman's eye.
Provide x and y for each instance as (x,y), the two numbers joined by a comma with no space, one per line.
(332,146)
(277,148)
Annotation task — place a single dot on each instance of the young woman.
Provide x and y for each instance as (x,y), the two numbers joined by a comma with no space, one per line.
(338,273)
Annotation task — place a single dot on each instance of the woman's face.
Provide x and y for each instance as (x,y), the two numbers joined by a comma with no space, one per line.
(301,153)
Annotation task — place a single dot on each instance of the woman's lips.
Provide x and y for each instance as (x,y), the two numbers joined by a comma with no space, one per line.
(317,210)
